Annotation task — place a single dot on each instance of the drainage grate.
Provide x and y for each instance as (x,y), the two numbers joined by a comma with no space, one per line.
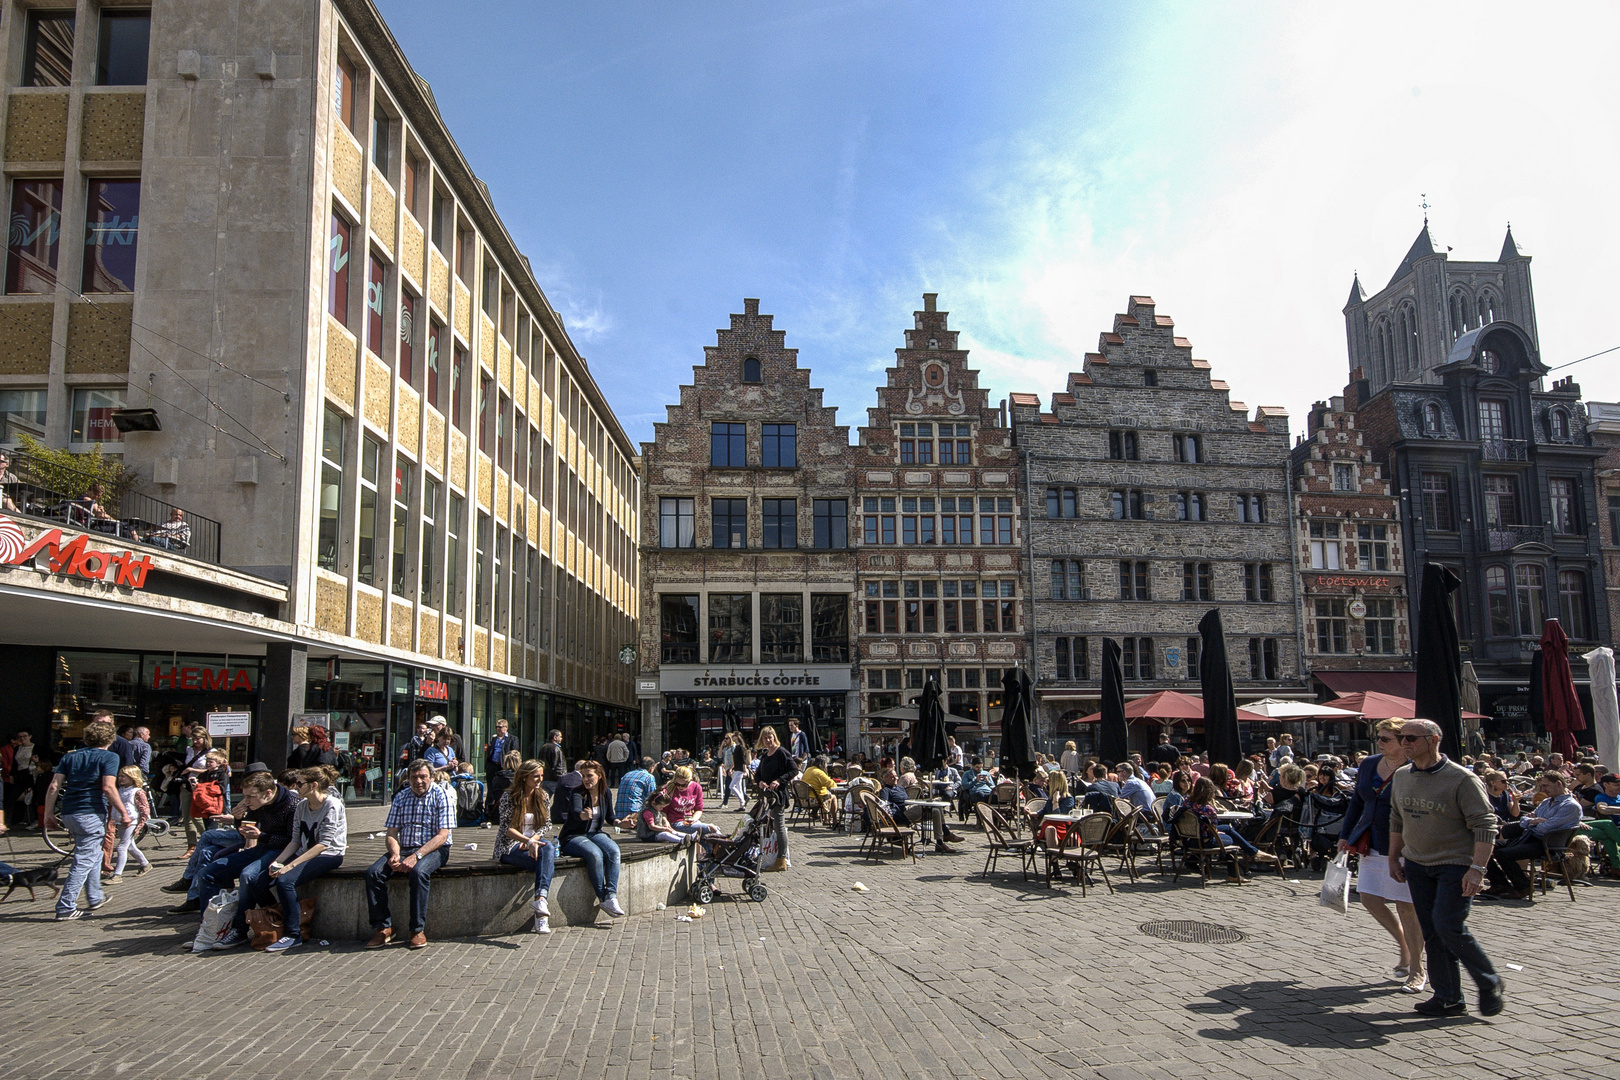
(1193,933)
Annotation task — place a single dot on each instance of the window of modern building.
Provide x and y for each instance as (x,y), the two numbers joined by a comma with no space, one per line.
(34,241)
(1068,579)
(441,213)
(1122,446)
(831,523)
(1325,546)
(880,522)
(503,431)
(401,567)
(1127,504)
(1061,502)
(121,51)
(730,521)
(1344,476)
(491,290)
(413,185)
(1137,658)
(376,282)
(1561,501)
(428,577)
(1572,604)
(1380,625)
(48,50)
(751,371)
(1251,508)
(333,439)
(779,448)
(483,539)
(458,386)
(1435,488)
(1332,627)
(779,523)
(408,307)
(367,567)
(1189,448)
(455,597)
(1257,583)
(1190,506)
(343,90)
(1197,581)
(1372,546)
(829,628)
(486,418)
(92,415)
(1133,580)
(731,628)
(678,629)
(728,445)
(1531,585)
(111,236)
(1072,659)
(781,628)
(22,412)
(382,138)
(677,523)
(337,265)
(466,245)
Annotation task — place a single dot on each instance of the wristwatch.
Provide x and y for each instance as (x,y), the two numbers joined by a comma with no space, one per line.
(1481,869)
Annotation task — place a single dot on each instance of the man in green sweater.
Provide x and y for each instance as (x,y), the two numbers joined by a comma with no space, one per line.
(1441,825)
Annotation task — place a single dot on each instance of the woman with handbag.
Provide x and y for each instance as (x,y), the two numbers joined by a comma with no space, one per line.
(1367,834)
(320,839)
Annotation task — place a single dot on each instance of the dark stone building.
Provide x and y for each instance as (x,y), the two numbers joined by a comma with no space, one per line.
(1154,498)
(747,571)
(1603,426)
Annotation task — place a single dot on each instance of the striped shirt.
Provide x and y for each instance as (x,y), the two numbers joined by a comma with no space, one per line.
(420,819)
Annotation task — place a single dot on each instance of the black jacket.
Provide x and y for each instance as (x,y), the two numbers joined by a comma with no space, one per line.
(775,766)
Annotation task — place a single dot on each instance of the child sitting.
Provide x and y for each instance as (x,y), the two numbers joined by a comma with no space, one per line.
(651,824)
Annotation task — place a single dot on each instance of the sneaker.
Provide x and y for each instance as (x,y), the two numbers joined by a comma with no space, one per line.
(1490,998)
(95,904)
(611,906)
(144,870)
(183,885)
(541,910)
(418,941)
(283,944)
(116,879)
(66,916)
(542,925)
(190,907)
(1435,1007)
(230,940)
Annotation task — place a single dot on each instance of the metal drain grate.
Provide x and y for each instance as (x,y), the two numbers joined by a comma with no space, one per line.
(1193,933)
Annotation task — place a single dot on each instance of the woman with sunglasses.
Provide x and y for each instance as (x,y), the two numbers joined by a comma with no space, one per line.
(1367,832)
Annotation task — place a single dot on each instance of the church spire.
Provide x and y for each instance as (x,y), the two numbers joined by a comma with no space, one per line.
(1357,293)
(1423,245)
(1510,250)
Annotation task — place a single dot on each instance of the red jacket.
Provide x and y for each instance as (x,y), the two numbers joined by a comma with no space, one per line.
(207,799)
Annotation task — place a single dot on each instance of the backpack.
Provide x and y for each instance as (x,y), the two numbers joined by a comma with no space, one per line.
(469,802)
(345,761)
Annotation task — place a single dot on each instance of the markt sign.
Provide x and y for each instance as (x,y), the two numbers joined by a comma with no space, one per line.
(71,558)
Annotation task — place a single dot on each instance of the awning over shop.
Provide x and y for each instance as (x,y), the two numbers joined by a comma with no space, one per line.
(1394,683)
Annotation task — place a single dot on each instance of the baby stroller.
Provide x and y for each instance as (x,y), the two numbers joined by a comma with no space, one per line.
(736,855)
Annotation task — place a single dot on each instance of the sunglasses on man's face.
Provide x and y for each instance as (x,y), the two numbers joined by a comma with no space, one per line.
(1405,738)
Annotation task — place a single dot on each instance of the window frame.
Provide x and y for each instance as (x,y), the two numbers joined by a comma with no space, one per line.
(735,445)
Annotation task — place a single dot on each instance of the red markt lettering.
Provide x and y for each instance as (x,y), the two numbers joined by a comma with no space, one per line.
(76,559)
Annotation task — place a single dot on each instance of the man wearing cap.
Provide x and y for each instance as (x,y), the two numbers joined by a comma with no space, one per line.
(435,723)
(224,839)
(1606,826)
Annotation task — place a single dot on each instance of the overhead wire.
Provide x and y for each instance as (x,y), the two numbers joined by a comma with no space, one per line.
(1594,356)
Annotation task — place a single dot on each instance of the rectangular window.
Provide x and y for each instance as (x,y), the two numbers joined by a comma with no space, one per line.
(780,448)
(408,307)
(481,590)
(1531,583)
(92,419)
(343,90)
(1061,502)
(1501,501)
(1373,547)
(1325,548)
(1190,506)
(731,628)
(1344,476)
(728,446)
(781,628)
(22,412)
(503,432)
(1436,494)
(332,442)
(829,628)
(1493,426)
(1380,625)
(454,598)
(677,525)
(1572,603)
(382,129)
(376,276)
(337,265)
(1257,583)
(1196,578)
(678,629)
(1189,448)
(1262,658)
(1195,647)
(486,422)
(1133,580)
(780,523)
(1332,628)
(1614,519)
(1073,661)
(1561,499)
(466,241)
(1122,446)
(367,568)
(1251,508)
(831,523)
(121,52)
(440,224)
(730,520)
(458,386)
(1498,604)
(48,51)
(1127,504)
(1137,658)
(111,236)
(403,475)
(413,177)
(34,242)
(492,290)
(428,578)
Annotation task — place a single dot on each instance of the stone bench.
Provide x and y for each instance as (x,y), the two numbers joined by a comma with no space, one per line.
(475,896)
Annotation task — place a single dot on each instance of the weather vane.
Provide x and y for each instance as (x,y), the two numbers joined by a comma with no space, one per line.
(1425,205)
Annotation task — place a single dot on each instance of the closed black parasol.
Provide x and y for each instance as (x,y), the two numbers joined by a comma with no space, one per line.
(1017,730)
(1221,737)
(1439,661)
(928,733)
(1113,742)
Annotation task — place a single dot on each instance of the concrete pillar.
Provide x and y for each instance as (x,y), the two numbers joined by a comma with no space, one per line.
(852,722)
(280,699)
(652,727)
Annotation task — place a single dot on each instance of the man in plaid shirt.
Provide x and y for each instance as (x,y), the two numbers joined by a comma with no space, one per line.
(419,824)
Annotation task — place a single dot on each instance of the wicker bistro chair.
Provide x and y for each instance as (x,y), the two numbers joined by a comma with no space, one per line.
(1555,864)
(836,770)
(1004,800)
(1147,835)
(1081,851)
(805,804)
(1189,844)
(1279,836)
(1001,845)
(1118,841)
(884,831)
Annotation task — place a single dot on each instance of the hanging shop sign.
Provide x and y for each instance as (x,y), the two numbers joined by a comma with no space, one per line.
(71,558)
(432,689)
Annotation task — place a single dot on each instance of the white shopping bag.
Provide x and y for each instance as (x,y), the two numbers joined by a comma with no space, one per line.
(1336,885)
(216,920)
(768,852)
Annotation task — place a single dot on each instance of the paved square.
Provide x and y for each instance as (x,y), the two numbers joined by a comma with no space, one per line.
(934,972)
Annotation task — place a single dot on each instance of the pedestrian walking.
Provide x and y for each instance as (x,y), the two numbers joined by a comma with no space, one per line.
(1441,837)
(87,780)
(137,812)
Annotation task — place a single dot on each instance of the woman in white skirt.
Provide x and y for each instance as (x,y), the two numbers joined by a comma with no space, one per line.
(1367,832)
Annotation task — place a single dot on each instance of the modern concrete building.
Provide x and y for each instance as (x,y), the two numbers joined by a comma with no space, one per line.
(747,568)
(942,577)
(248,260)
(1155,497)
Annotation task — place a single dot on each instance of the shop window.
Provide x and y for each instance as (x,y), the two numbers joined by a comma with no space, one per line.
(731,632)
(93,416)
(781,628)
(121,52)
(678,629)
(333,440)
(111,235)
(829,628)
(780,523)
(48,50)
(34,240)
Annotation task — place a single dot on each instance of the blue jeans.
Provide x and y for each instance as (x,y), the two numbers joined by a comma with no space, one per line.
(248,864)
(1442,911)
(420,877)
(286,889)
(210,846)
(601,858)
(1234,837)
(87,831)
(543,867)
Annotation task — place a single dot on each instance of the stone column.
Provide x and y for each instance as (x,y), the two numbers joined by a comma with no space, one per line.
(280,699)
(652,727)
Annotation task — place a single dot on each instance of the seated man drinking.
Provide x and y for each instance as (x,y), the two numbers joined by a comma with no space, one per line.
(266,828)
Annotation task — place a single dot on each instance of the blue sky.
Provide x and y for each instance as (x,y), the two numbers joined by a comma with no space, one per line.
(1034,164)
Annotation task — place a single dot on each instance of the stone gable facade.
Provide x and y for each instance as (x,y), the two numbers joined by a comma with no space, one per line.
(1603,426)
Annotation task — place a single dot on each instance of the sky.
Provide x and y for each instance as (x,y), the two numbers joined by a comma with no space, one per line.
(1034,164)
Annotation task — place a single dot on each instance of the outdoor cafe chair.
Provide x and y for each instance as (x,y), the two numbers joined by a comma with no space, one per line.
(1001,845)
(1004,799)
(1081,850)
(1119,840)
(884,832)
(804,801)
(1555,863)
(1189,844)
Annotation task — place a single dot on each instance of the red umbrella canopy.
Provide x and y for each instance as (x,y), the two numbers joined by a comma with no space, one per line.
(1166,706)
(1563,709)
(1375,706)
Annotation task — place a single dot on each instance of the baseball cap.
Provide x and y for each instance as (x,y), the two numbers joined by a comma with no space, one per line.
(435,721)
(1609,778)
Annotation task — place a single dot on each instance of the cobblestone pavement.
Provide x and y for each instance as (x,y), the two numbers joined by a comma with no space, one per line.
(934,972)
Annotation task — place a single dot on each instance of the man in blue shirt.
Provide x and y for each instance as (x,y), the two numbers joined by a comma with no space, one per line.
(87,779)
(634,788)
(419,823)
(1526,838)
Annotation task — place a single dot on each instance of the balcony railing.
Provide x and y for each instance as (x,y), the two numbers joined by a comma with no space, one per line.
(57,494)
(1505,450)
(1508,537)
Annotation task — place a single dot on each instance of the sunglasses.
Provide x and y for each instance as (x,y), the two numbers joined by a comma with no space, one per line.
(1405,738)
(1388,738)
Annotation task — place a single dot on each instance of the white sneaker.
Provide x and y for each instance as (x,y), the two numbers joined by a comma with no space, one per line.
(282,944)
(611,906)
(540,908)
(542,925)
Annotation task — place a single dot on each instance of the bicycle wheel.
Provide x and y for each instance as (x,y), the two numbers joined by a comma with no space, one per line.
(58,839)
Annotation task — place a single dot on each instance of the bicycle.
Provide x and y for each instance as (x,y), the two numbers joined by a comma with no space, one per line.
(60,840)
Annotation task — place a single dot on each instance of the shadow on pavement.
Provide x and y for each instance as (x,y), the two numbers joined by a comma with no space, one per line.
(1286,1012)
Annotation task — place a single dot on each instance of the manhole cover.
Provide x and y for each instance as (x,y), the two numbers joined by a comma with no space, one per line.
(1193,933)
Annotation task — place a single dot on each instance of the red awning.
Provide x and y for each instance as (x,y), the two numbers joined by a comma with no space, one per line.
(1165,707)
(1394,683)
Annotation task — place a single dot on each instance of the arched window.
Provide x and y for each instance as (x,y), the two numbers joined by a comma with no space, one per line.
(1558,425)
(1487,308)
(1462,314)
(751,371)
(1432,426)
(1497,601)
(1408,340)
(1381,357)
